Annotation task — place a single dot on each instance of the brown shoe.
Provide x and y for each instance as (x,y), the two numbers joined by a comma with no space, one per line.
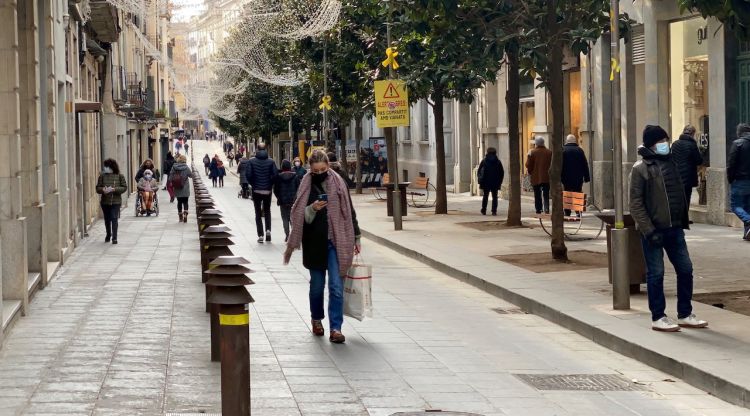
(318,329)
(337,337)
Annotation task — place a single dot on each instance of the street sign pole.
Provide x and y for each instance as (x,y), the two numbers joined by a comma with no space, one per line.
(392,150)
(620,275)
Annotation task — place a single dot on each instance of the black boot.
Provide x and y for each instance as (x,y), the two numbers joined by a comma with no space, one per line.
(114,231)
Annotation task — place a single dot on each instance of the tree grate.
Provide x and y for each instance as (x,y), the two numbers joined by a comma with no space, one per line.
(435,412)
(579,382)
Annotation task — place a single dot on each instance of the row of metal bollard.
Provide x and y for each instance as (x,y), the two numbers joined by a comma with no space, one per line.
(227,301)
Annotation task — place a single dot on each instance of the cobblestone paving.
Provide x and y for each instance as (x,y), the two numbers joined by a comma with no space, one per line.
(121,331)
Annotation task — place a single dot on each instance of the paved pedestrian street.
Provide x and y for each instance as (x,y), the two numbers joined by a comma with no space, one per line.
(121,330)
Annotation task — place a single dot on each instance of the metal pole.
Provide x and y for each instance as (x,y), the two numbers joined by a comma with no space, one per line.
(325,92)
(620,275)
(390,134)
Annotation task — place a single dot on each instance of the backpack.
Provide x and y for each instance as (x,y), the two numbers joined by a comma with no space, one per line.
(480,174)
(176,181)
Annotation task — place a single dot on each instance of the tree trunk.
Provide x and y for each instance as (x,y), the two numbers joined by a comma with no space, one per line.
(559,251)
(512,97)
(358,141)
(342,140)
(441,201)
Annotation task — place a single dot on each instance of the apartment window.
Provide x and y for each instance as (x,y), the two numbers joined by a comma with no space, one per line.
(425,122)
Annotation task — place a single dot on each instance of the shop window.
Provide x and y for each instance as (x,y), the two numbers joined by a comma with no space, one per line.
(688,74)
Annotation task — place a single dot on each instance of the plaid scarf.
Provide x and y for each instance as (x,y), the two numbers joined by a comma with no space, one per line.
(339,217)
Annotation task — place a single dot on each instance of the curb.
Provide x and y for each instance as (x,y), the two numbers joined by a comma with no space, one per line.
(711,383)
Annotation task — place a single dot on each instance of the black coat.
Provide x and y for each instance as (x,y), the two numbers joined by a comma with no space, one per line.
(738,163)
(575,167)
(261,172)
(687,157)
(491,173)
(285,188)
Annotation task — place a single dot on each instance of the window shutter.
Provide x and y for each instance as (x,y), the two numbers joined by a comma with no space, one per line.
(638,40)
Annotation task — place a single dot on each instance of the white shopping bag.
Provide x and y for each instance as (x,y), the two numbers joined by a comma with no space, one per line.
(358,290)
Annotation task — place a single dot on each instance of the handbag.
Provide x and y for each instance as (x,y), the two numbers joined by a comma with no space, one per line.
(358,290)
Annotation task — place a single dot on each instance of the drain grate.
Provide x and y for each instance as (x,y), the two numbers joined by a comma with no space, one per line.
(509,311)
(579,382)
(435,413)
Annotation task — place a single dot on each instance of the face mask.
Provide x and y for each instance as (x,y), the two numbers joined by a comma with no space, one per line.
(297,164)
(319,177)
(107,169)
(148,177)
(662,149)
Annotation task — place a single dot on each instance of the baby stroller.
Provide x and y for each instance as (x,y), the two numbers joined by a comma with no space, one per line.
(139,211)
(244,192)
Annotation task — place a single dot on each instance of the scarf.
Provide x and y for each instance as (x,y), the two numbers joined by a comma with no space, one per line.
(339,218)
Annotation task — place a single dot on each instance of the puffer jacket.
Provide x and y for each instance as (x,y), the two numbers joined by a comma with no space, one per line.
(657,197)
(183,170)
(114,180)
(261,172)
(285,187)
(490,173)
(738,164)
(575,167)
(687,157)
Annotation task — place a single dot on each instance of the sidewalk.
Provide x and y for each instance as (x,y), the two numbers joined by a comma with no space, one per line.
(715,360)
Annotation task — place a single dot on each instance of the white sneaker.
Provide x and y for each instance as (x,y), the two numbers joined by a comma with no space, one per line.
(665,325)
(692,322)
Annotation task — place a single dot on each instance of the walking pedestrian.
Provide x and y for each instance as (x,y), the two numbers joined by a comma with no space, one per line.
(111,185)
(659,208)
(687,157)
(334,165)
(179,178)
(230,157)
(261,173)
(187,147)
(738,173)
(221,172)
(213,169)
(537,164)
(241,169)
(329,238)
(285,189)
(575,167)
(166,168)
(490,177)
(207,163)
(298,168)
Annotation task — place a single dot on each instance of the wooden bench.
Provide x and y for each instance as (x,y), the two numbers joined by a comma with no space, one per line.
(419,191)
(380,191)
(576,203)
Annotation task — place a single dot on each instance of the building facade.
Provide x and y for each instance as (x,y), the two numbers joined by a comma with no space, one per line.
(67,104)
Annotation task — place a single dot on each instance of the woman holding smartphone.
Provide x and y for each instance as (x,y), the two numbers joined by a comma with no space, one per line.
(329,237)
(111,185)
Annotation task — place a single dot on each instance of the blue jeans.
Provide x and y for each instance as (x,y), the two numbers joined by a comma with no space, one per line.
(677,251)
(740,199)
(335,291)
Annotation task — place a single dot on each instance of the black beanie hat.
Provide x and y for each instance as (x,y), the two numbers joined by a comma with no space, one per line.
(653,135)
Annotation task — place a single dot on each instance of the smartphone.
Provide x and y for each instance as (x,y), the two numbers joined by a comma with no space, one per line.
(323,197)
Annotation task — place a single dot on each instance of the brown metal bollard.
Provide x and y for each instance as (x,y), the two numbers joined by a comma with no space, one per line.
(209,217)
(202,204)
(234,321)
(224,271)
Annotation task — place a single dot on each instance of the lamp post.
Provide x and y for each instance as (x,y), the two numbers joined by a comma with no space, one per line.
(620,275)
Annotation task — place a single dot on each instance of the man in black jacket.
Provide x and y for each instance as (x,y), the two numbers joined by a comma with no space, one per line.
(738,173)
(490,177)
(687,157)
(659,208)
(261,173)
(575,167)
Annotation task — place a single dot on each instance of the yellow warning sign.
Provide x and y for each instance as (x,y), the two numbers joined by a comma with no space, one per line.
(391,103)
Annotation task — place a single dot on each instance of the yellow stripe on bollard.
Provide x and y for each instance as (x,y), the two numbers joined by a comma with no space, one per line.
(234,320)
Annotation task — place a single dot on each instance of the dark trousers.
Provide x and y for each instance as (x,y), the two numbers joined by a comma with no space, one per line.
(485,198)
(182,203)
(214,179)
(111,214)
(688,194)
(572,188)
(286,214)
(262,204)
(541,197)
(677,252)
(221,181)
